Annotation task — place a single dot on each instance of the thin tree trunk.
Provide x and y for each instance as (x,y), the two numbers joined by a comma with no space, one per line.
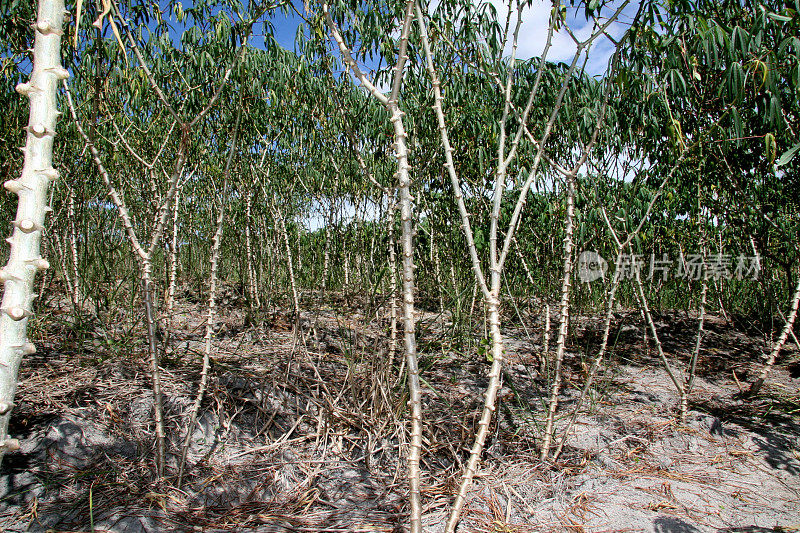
(493,312)
(44,280)
(346,269)
(212,297)
(289,263)
(143,257)
(407,234)
(269,255)
(718,284)
(155,372)
(209,334)
(73,247)
(371,264)
(689,378)
(392,292)
(523,262)
(326,254)
(251,271)
(544,357)
(173,268)
(776,349)
(454,283)
(62,253)
(563,325)
(659,348)
(299,254)
(32,196)
(474,299)
(497,255)
(598,359)
(409,326)
(621,247)
(437,271)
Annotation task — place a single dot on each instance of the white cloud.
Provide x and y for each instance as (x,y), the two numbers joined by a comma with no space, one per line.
(533,34)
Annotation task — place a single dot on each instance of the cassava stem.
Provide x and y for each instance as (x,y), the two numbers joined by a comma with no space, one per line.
(31,188)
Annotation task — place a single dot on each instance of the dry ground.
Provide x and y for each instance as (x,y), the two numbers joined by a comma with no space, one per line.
(300,433)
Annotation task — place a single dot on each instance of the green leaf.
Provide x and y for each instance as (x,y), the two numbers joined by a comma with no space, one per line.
(779,18)
(737,125)
(770,147)
(736,81)
(119,39)
(788,155)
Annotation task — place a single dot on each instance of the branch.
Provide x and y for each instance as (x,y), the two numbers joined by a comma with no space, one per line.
(348,58)
(112,192)
(448,154)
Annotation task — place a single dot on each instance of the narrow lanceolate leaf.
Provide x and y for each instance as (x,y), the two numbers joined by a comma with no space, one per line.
(31,189)
(738,127)
(779,18)
(119,39)
(788,155)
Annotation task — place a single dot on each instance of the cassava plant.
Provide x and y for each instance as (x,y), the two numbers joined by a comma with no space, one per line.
(508,149)
(211,315)
(31,189)
(392,105)
(144,251)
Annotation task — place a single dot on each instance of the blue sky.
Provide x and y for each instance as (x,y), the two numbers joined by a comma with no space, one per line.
(285,26)
(533,32)
(532,35)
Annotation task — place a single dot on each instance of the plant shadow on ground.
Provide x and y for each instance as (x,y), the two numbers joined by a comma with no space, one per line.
(303,429)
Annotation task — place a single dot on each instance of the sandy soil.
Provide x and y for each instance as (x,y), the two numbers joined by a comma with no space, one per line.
(297,433)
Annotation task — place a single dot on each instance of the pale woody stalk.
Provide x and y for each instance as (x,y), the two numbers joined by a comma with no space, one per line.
(491,296)
(61,253)
(144,254)
(598,358)
(277,215)
(491,292)
(776,349)
(283,235)
(563,324)
(212,298)
(406,239)
(570,176)
(788,326)
(689,380)
(144,260)
(437,270)
(546,341)
(326,253)
(622,246)
(392,351)
(251,271)
(645,308)
(682,384)
(173,263)
(73,247)
(31,188)
(673,376)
